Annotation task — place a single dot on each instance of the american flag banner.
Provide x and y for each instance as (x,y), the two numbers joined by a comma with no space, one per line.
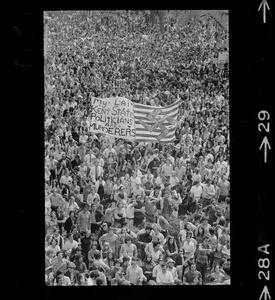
(156,124)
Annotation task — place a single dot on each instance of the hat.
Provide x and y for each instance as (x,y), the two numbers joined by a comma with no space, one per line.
(170,260)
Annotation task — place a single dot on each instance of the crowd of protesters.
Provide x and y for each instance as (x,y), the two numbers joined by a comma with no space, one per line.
(133,213)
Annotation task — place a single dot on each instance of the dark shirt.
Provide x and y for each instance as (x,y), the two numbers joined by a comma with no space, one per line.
(145,238)
(191,275)
(86,244)
(138,214)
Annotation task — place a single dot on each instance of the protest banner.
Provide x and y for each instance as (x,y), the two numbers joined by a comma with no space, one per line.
(113,116)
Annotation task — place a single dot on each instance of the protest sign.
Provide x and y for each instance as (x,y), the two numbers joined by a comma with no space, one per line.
(113,116)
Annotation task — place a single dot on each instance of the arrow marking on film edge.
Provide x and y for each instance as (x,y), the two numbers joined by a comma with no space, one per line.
(265,293)
(265,5)
(266,144)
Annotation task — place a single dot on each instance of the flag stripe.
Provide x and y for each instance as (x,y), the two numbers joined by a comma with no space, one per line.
(139,106)
(150,139)
(139,115)
(164,111)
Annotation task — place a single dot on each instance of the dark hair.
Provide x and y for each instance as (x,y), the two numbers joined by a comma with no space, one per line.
(97,254)
(188,234)
(53,239)
(222,222)
(211,230)
(155,244)
(128,238)
(71,211)
(94,274)
(226,268)
(58,278)
(203,231)
(99,281)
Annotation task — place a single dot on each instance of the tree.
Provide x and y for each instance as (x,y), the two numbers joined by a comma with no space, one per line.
(161,15)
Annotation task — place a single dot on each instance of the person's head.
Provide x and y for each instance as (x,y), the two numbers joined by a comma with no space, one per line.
(170,262)
(53,242)
(205,221)
(58,209)
(188,236)
(60,254)
(226,268)
(99,281)
(94,274)
(164,268)
(211,231)
(104,227)
(82,279)
(171,240)
(52,214)
(94,245)
(206,240)
(128,240)
(97,254)
(217,268)
(56,232)
(88,233)
(79,259)
(156,246)
(219,247)
(148,257)
(110,231)
(71,237)
(60,280)
(222,221)
(166,194)
(208,181)
(118,275)
(156,228)
(134,261)
(116,263)
(148,229)
(85,206)
(192,267)
(201,231)
(106,246)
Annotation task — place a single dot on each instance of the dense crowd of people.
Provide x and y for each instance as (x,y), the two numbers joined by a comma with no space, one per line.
(121,212)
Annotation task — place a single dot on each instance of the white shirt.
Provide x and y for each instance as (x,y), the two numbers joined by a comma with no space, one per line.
(83,138)
(69,246)
(189,249)
(66,180)
(221,166)
(165,277)
(130,211)
(93,172)
(196,191)
(91,197)
(88,159)
(101,162)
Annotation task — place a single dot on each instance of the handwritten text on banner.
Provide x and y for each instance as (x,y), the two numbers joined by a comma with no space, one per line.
(113,116)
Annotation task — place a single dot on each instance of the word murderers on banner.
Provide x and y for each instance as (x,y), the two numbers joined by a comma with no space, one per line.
(114,130)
